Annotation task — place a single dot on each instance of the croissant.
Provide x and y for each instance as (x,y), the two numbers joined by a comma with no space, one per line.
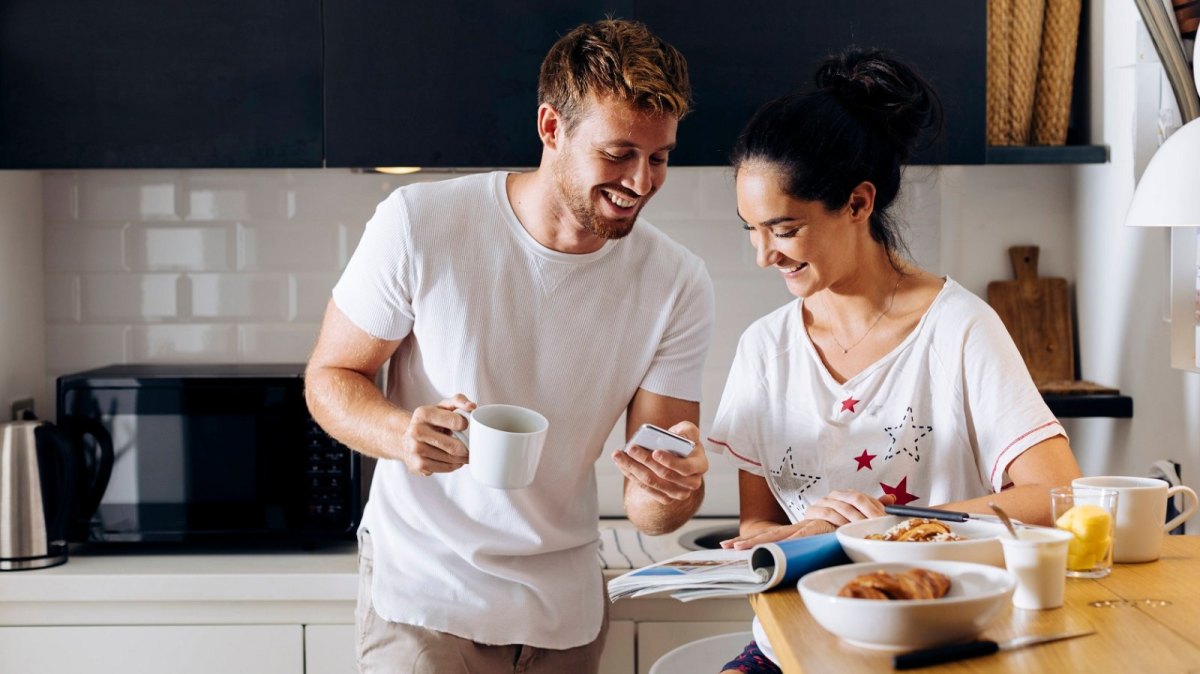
(917,529)
(910,584)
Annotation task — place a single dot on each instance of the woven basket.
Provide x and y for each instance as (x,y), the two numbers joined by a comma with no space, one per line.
(998,37)
(1187,15)
(1024,54)
(1052,107)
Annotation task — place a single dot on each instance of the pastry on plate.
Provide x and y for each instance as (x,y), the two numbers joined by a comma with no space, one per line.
(911,584)
(919,530)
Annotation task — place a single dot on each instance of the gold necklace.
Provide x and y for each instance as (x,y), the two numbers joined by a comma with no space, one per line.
(846,349)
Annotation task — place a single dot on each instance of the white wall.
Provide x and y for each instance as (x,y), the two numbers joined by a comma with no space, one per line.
(1122,283)
(22,330)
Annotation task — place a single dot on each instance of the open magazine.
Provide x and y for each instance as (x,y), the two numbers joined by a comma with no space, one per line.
(715,573)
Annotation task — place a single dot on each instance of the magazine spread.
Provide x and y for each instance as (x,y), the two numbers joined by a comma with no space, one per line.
(714,573)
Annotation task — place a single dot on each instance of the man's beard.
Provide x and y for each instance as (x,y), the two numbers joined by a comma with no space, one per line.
(585,212)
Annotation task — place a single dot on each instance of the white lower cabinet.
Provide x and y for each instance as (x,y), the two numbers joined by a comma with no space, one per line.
(619,648)
(153,649)
(632,646)
(256,614)
(329,649)
(654,639)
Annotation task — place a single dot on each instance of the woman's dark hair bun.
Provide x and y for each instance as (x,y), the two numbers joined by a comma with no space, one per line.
(884,93)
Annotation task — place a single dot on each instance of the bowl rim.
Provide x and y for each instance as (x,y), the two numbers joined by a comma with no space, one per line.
(1007,585)
(843,535)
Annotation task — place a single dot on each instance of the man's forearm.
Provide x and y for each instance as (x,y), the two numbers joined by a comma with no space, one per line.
(351,408)
(655,518)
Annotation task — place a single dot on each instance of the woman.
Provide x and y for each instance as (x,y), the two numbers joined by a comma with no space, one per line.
(882,383)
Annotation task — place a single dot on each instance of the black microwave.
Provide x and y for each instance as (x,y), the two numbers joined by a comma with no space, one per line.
(205,453)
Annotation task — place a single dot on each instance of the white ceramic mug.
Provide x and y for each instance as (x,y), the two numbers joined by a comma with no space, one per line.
(1141,509)
(505,444)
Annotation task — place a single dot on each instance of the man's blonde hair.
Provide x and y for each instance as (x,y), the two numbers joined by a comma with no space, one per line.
(617,58)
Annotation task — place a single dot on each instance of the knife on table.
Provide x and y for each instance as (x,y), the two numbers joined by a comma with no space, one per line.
(937,514)
(973,649)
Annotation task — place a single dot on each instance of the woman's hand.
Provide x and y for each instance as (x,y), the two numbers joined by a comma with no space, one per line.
(779,532)
(846,505)
(830,512)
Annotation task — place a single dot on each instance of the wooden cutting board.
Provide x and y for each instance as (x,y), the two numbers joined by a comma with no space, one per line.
(1037,313)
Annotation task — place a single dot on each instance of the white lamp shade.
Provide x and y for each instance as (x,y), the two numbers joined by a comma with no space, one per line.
(1168,194)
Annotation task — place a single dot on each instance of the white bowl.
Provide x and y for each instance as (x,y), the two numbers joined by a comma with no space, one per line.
(978,594)
(982,543)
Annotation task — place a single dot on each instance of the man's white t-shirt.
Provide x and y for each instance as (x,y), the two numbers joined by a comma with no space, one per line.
(936,420)
(483,309)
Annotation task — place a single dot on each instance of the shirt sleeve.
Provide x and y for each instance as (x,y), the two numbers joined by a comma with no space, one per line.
(734,431)
(375,291)
(678,366)
(1005,413)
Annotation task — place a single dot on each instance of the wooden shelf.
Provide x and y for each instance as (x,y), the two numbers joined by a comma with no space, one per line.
(1048,154)
(1073,406)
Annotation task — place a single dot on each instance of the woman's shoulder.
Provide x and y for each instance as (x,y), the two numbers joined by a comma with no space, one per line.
(957,305)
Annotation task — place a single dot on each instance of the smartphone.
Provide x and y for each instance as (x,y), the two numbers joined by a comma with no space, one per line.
(652,437)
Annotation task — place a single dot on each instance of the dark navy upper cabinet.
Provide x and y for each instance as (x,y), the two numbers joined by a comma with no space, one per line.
(455,83)
(160,83)
(441,84)
(741,55)
(452,83)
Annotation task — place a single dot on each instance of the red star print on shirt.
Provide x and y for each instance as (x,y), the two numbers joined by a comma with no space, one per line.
(900,491)
(849,403)
(864,461)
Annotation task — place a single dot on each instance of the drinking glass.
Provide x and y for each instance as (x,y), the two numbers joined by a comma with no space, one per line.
(1090,514)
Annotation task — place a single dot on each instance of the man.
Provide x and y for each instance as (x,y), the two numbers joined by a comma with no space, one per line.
(533,289)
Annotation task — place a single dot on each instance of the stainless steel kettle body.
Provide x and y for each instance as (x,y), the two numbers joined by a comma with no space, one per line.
(38,468)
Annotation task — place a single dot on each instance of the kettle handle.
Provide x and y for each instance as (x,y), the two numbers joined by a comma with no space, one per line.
(97,481)
(65,451)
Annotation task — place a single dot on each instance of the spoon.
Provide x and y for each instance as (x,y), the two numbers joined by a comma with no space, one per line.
(1004,518)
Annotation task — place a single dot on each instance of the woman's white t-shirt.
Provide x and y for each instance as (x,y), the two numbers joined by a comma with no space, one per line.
(936,420)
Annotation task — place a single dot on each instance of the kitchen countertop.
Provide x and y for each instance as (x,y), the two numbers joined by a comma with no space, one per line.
(304,586)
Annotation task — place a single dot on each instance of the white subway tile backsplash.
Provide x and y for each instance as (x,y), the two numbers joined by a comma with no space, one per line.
(79,347)
(716,195)
(290,247)
(676,199)
(333,196)
(281,343)
(198,343)
(62,298)
(310,293)
(741,300)
(262,297)
(236,265)
(128,195)
(85,248)
(723,244)
(130,297)
(236,195)
(348,238)
(181,248)
(60,196)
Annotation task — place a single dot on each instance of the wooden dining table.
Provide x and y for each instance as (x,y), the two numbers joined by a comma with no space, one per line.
(1146,618)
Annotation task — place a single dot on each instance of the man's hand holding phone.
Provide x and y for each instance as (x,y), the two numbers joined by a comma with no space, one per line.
(651,437)
(668,464)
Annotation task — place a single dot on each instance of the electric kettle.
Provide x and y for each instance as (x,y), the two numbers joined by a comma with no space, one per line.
(42,490)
